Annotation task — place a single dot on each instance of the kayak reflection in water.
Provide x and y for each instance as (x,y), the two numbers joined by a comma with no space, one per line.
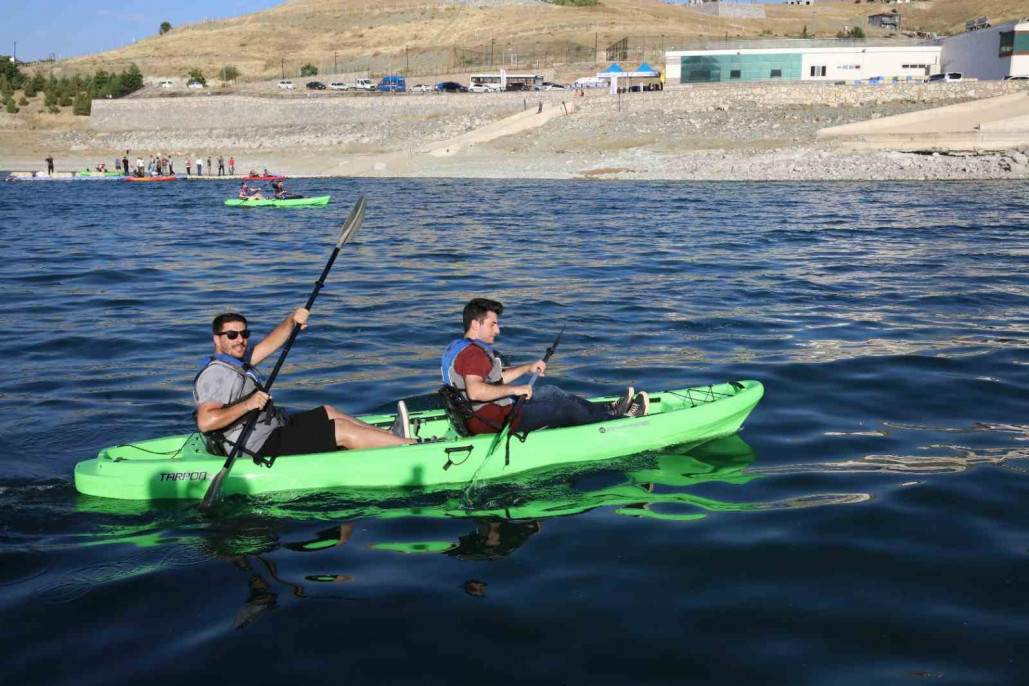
(485,394)
(228,387)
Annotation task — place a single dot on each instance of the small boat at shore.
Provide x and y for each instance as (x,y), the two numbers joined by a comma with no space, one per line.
(318,201)
(265,177)
(180,467)
(150,178)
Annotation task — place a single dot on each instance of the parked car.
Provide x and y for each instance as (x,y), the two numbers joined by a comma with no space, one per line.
(1017,77)
(194,84)
(420,88)
(548,86)
(450,87)
(518,87)
(338,86)
(166,84)
(480,88)
(946,76)
(315,86)
(286,85)
(396,84)
(363,85)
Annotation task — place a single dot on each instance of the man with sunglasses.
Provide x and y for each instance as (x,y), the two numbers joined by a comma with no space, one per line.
(228,387)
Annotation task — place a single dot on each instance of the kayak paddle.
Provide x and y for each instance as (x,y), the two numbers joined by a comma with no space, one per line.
(350,227)
(506,428)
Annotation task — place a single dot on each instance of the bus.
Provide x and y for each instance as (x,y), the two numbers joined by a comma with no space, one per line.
(508,82)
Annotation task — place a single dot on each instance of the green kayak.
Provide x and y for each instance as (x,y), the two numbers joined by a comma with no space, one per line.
(179,467)
(318,201)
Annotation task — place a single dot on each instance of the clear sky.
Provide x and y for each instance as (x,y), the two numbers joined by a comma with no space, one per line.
(67,28)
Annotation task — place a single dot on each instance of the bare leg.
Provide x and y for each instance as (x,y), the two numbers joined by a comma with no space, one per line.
(335,414)
(354,435)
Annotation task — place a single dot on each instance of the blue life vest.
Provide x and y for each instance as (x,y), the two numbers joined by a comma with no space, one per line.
(452,378)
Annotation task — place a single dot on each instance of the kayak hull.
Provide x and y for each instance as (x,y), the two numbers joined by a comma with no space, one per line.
(319,201)
(179,467)
(140,179)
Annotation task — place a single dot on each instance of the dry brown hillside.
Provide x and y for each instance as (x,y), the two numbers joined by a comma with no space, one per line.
(420,37)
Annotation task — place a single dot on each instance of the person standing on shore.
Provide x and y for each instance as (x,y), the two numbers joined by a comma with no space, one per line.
(232,165)
(210,167)
(221,166)
(125,163)
(189,166)
(49,165)
(139,166)
(171,166)
(200,166)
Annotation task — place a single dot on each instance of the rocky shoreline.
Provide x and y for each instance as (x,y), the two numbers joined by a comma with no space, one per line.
(662,136)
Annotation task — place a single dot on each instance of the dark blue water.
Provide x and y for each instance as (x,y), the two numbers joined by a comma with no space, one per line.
(868,526)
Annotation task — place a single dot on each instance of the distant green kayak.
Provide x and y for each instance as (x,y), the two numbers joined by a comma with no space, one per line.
(292,202)
(179,467)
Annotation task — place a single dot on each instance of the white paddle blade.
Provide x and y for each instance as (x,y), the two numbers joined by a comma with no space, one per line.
(352,224)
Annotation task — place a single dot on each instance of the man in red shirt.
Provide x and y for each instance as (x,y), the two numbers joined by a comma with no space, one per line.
(472,367)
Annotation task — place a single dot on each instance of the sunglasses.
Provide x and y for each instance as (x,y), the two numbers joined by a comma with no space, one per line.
(233,335)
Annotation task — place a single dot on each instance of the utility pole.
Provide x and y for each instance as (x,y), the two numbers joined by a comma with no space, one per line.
(407,56)
(335,63)
(491,50)
(282,66)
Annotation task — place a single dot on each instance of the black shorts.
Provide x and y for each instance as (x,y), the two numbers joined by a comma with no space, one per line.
(303,434)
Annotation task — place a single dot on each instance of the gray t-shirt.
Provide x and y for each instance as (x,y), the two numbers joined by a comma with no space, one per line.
(221,383)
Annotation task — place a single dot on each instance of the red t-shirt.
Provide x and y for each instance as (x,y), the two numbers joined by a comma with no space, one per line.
(474,360)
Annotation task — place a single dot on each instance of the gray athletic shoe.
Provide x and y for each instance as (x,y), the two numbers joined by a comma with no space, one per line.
(639,405)
(620,406)
(402,424)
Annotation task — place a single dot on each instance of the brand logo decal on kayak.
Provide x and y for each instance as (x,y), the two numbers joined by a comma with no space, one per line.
(623,427)
(185,476)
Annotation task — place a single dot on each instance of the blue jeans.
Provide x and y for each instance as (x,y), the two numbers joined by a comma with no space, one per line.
(550,406)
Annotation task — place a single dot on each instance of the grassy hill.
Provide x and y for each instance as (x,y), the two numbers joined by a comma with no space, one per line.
(418,37)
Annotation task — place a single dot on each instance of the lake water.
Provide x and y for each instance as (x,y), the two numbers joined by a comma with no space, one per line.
(868,525)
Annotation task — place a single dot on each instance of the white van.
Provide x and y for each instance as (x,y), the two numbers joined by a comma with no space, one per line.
(590,82)
(166,84)
(364,85)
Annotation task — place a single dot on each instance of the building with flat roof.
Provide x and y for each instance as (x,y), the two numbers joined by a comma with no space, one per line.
(802,60)
(989,53)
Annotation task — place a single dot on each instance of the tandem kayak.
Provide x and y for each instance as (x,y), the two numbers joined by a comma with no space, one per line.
(179,467)
(150,178)
(318,201)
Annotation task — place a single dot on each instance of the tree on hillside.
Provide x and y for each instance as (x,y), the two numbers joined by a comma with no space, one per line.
(83,104)
(804,33)
(10,71)
(309,70)
(165,27)
(198,76)
(229,73)
(131,79)
(857,32)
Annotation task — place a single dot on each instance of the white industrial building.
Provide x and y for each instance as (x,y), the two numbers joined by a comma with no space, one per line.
(991,53)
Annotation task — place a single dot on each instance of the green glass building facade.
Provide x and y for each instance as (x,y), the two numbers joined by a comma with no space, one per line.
(722,68)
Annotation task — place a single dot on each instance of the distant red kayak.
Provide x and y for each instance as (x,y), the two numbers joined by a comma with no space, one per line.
(264,178)
(150,178)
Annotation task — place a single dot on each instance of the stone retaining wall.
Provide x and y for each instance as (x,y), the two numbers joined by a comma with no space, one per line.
(763,96)
(230,111)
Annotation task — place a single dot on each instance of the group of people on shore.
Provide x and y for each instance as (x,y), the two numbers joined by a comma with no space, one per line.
(228,387)
(198,161)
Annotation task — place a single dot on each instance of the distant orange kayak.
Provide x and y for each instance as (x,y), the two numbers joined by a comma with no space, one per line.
(150,178)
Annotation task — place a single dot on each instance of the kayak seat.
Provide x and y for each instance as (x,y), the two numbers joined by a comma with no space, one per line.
(459,411)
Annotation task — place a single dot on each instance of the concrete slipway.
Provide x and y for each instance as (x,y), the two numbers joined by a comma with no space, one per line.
(991,124)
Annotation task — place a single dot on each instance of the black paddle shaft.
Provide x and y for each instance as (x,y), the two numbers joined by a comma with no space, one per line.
(351,226)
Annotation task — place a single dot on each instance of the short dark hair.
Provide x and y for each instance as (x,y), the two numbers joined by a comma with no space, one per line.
(478,308)
(223,319)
